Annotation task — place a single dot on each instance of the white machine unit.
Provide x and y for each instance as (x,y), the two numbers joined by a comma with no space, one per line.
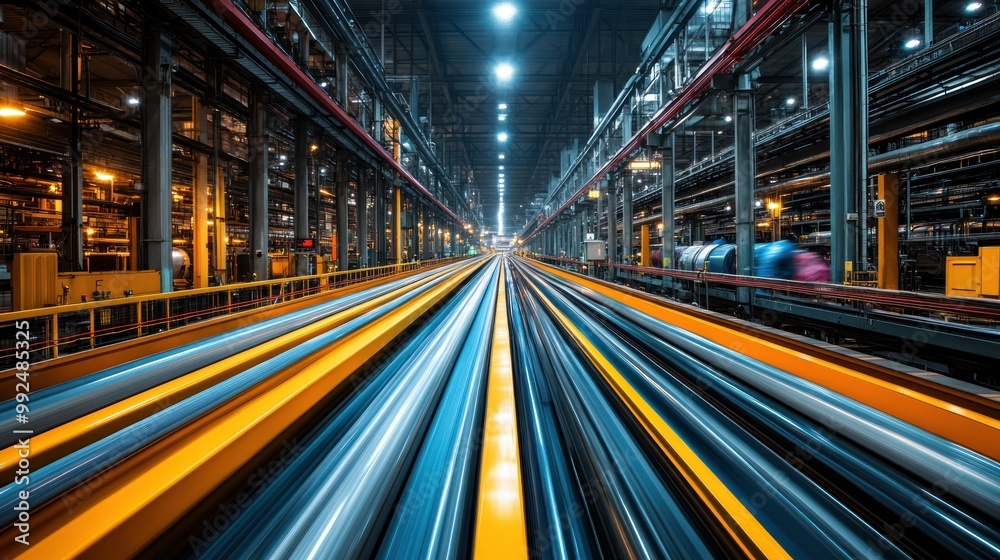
(595,250)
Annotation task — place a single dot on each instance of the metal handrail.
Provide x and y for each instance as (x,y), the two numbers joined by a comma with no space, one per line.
(971,308)
(152,313)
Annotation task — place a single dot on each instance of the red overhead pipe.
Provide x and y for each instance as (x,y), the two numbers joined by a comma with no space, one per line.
(243,26)
(761,25)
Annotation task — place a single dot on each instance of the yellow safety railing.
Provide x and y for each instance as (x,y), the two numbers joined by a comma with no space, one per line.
(64,329)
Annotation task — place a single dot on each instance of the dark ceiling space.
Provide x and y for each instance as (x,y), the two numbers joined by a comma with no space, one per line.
(558,48)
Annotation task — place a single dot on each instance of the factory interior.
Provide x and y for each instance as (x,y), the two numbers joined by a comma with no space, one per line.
(511,279)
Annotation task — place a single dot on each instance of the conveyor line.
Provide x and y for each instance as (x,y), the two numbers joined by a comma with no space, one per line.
(511,410)
(500,520)
(973,429)
(754,540)
(242,355)
(880,467)
(126,520)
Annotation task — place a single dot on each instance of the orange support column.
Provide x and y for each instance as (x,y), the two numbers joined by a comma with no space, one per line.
(644,258)
(397,225)
(888,233)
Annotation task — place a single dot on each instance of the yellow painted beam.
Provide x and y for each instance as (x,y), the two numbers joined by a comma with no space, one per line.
(62,440)
(732,515)
(500,522)
(969,428)
(59,370)
(159,493)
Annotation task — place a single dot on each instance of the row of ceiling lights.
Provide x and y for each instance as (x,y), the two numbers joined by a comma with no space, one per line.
(504,71)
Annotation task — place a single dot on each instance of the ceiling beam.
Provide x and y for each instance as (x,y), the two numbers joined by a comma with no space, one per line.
(559,105)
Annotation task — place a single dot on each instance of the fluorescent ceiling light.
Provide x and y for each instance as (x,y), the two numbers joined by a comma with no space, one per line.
(504,71)
(504,11)
(912,44)
(502,137)
(973,6)
(820,63)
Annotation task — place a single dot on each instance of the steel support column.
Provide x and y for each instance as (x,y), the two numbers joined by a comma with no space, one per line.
(257,136)
(199,193)
(928,23)
(301,201)
(72,171)
(397,225)
(453,231)
(157,154)
(343,194)
(848,136)
(219,240)
(746,170)
(427,247)
(361,217)
(627,218)
(381,219)
(414,230)
(438,239)
(668,193)
(343,72)
(613,221)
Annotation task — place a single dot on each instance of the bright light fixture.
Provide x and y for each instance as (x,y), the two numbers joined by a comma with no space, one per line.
(973,6)
(502,117)
(504,11)
(502,137)
(501,168)
(11,112)
(503,107)
(504,72)
(502,157)
(790,101)
(728,118)
(912,43)
(820,63)
(324,84)
(502,175)
(133,101)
